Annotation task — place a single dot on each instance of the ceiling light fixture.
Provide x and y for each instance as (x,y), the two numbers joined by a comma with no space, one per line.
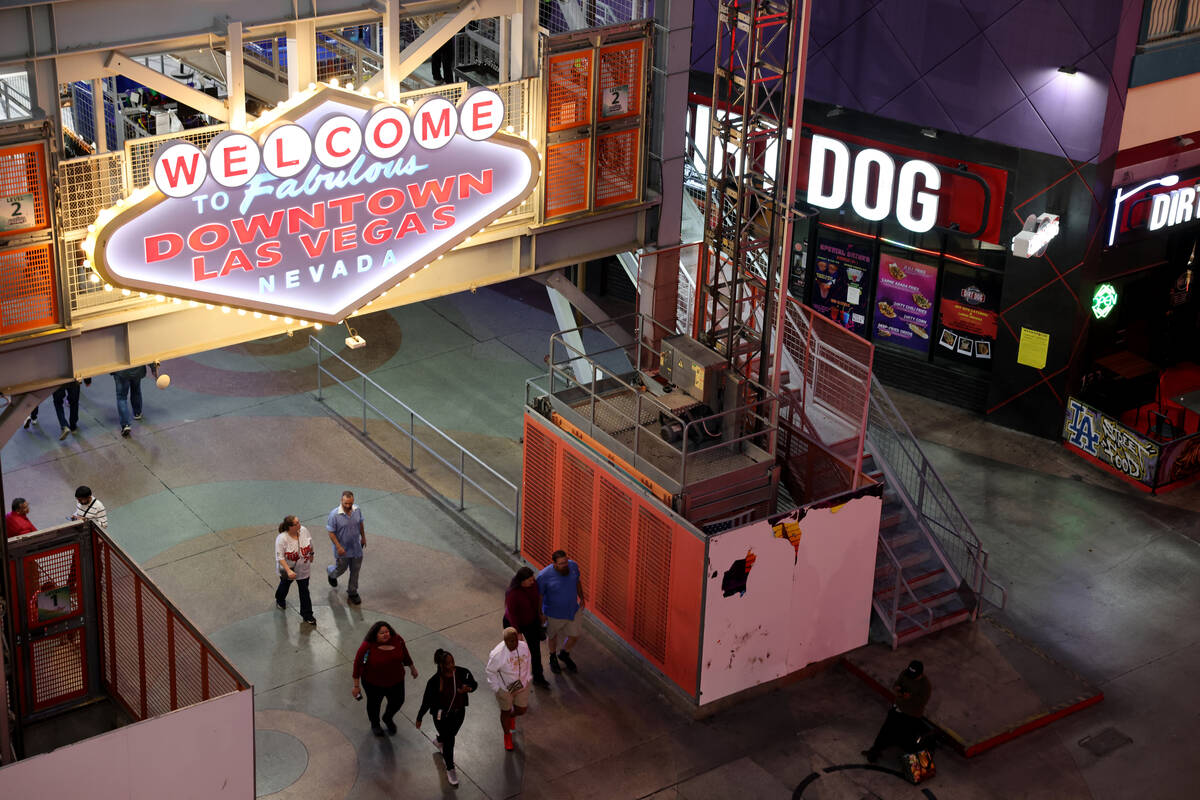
(1068,69)
(929,132)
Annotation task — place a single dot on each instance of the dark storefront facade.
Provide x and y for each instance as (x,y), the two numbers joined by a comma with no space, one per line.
(1018,110)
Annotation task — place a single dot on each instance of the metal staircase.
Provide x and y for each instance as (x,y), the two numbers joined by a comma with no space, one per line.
(931,569)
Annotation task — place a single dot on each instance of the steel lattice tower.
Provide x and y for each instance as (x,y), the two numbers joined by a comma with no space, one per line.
(757,95)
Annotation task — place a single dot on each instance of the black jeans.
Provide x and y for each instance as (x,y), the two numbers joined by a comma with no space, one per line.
(70,393)
(898,729)
(442,63)
(285,583)
(447,728)
(375,697)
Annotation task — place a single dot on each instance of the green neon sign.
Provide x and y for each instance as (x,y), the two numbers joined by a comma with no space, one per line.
(1104,300)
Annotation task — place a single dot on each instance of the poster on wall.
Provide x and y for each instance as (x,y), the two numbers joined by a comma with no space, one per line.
(903,304)
(840,290)
(1105,439)
(969,313)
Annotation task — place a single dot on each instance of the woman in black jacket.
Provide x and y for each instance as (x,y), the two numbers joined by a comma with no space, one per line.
(446,698)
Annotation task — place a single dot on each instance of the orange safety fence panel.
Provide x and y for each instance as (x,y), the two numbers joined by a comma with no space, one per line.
(617,167)
(621,84)
(642,571)
(569,91)
(567,167)
(23,205)
(28,299)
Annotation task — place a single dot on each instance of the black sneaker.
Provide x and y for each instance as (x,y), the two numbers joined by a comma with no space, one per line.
(378,731)
(391,726)
(554,667)
(137,416)
(332,580)
(871,756)
(541,683)
(354,599)
(125,431)
(565,658)
(281,606)
(309,621)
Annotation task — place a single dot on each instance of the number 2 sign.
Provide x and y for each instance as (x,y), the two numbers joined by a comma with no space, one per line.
(616,101)
(16,212)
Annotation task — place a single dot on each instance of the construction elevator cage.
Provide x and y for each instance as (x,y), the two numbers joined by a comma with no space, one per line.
(89,624)
(595,120)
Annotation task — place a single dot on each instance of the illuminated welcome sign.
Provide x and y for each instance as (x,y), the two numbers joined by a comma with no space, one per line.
(319,208)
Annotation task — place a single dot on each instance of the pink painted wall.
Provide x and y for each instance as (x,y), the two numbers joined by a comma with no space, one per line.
(202,751)
(1161,110)
(802,603)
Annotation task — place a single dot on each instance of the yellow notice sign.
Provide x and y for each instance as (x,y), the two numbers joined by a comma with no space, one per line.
(1033,348)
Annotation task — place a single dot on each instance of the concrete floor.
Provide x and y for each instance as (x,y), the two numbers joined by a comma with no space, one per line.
(1100,578)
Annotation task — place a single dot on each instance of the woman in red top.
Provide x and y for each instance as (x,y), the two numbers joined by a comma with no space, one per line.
(523,611)
(379,664)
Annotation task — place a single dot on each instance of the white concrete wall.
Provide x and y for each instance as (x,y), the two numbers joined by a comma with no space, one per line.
(802,603)
(203,751)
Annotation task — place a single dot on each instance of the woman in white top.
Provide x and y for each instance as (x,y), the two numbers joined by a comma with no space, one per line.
(293,560)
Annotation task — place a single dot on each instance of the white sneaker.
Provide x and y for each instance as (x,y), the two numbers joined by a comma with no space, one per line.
(452,776)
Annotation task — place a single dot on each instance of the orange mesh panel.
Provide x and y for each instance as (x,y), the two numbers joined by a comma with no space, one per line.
(652,582)
(567,168)
(537,495)
(187,666)
(59,669)
(617,167)
(576,514)
(621,84)
(219,680)
(27,294)
(158,671)
(125,684)
(569,91)
(23,188)
(614,523)
(52,586)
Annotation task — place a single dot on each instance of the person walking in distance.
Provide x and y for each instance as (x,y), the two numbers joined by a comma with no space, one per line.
(379,668)
(446,699)
(294,555)
(509,672)
(904,723)
(562,600)
(68,420)
(16,522)
(523,611)
(349,537)
(129,392)
(88,507)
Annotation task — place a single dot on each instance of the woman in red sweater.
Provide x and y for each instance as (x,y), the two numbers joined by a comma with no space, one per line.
(523,611)
(379,664)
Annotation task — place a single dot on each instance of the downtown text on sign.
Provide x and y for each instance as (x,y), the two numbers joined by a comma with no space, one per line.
(315,214)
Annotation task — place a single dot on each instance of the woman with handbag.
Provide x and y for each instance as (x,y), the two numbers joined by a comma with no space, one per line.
(446,698)
(523,611)
(379,669)
(293,561)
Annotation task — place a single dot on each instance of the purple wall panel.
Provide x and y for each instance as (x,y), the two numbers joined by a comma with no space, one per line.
(980,67)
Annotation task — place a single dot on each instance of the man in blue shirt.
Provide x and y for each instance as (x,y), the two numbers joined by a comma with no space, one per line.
(349,537)
(562,599)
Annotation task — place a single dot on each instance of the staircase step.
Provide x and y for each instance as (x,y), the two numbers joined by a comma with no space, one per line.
(912,632)
(901,536)
(887,521)
(884,585)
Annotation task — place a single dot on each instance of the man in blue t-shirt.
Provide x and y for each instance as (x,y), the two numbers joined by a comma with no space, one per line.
(349,537)
(562,599)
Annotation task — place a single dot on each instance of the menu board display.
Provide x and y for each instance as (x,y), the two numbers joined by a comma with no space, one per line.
(840,291)
(903,302)
(969,313)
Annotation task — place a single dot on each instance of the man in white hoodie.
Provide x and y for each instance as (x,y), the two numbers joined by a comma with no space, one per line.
(509,672)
